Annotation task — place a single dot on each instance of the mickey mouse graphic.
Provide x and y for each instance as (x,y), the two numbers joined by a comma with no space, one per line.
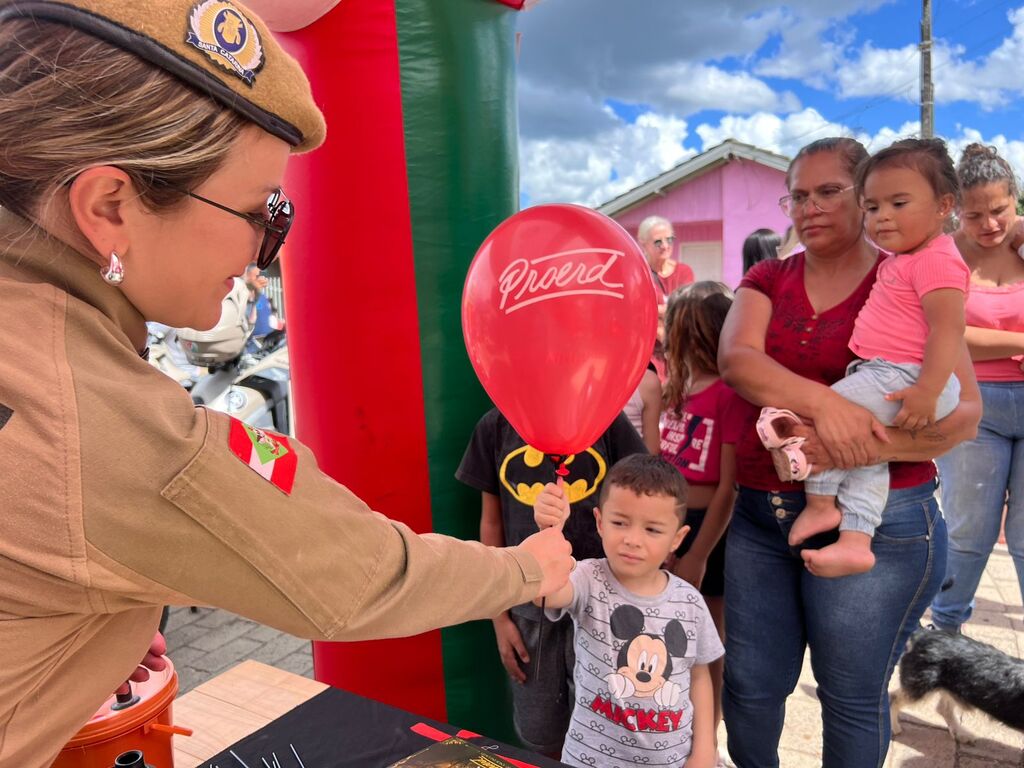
(644,664)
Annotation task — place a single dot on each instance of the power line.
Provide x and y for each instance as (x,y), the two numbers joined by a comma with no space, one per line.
(878,99)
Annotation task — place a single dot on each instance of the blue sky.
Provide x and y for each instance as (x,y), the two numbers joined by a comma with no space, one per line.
(613,92)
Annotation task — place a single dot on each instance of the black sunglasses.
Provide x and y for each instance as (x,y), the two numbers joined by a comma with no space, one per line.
(280,213)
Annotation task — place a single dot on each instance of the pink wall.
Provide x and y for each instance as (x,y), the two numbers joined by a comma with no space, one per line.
(750,197)
(696,200)
(727,204)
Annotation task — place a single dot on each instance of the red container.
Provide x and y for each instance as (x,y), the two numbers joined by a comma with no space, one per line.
(145,726)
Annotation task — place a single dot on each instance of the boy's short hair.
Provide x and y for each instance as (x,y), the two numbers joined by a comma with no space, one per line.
(647,475)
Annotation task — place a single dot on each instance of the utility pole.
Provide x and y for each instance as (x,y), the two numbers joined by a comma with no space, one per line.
(927,89)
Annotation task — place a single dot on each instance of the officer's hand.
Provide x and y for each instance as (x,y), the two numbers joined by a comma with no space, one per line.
(554,554)
(151,661)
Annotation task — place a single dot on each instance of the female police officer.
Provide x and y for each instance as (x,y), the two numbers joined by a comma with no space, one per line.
(139,144)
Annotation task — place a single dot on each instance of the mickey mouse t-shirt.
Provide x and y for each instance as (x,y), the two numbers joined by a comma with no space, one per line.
(632,673)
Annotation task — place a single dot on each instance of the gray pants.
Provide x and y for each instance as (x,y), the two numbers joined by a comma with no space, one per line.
(861,493)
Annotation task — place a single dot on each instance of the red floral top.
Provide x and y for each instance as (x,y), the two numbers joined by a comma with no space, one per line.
(812,345)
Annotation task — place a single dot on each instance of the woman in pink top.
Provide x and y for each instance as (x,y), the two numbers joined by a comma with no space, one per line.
(980,477)
(908,338)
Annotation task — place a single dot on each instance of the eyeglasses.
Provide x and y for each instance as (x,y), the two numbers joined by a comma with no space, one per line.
(667,241)
(275,225)
(826,199)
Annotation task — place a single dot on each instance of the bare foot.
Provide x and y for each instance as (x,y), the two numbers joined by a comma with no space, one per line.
(821,514)
(851,554)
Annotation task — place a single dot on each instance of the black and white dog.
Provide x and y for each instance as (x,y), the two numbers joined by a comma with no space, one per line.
(964,672)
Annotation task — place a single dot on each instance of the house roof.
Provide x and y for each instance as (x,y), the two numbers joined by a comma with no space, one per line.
(719,155)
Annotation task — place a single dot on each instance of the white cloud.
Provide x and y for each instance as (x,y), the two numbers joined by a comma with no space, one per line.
(809,54)
(689,87)
(782,134)
(805,53)
(893,73)
(582,170)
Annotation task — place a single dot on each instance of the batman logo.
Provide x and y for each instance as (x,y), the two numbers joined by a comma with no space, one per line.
(524,473)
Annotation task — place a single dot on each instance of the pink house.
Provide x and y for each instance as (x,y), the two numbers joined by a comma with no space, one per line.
(714,200)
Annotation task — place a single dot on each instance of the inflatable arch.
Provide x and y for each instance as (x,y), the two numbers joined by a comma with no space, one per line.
(419,166)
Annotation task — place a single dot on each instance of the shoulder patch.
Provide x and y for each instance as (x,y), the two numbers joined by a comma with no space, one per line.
(267,454)
(227,36)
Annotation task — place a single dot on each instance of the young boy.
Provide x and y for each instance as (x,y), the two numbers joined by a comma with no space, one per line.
(510,475)
(644,637)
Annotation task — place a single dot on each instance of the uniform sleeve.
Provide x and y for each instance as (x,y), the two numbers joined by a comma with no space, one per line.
(732,415)
(623,439)
(478,468)
(709,645)
(316,562)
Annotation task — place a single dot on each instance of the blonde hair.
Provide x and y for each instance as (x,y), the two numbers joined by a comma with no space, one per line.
(70,102)
(643,232)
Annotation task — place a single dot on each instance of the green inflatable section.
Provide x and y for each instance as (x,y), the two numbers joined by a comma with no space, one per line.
(458,99)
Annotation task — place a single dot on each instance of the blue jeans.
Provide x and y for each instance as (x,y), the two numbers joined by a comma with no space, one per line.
(975,479)
(856,626)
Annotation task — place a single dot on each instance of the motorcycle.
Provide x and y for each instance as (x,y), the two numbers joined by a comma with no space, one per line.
(254,387)
(227,369)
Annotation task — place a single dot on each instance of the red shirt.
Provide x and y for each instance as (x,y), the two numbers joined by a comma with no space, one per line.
(693,439)
(815,346)
(683,275)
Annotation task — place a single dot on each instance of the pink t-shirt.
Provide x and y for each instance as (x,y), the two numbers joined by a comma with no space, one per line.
(692,440)
(892,324)
(1000,307)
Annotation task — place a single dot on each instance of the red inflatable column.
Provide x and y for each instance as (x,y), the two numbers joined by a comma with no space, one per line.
(352,317)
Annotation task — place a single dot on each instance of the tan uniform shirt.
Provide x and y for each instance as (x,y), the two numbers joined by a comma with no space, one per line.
(118,496)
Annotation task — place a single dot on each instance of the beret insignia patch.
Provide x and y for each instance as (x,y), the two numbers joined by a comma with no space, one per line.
(227,36)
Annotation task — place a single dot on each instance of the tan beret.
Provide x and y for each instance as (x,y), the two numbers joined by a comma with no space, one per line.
(218,47)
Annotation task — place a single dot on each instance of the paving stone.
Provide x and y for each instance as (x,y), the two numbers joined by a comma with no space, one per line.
(970,761)
(283,645)
(189,678)
(184,656)
(921,746)
(182,636)
(301,663)
(212,617)
(180,616)
(225,633)
(991,619)
(226,655)
(262,633)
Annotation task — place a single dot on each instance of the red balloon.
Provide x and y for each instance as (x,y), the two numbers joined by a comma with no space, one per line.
(559,314)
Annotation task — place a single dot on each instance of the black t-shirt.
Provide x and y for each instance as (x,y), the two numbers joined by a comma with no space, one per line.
(498,461)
